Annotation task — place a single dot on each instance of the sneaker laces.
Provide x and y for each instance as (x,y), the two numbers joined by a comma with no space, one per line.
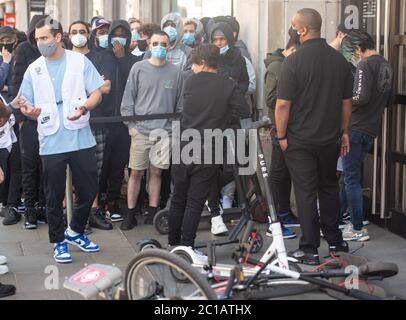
(61,248)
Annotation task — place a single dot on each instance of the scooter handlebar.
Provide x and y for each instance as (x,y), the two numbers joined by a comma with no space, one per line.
(264,123)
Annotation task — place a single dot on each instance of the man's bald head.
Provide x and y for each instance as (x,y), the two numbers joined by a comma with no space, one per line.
(308,18)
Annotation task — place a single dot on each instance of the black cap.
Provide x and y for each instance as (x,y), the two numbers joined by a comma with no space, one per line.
(7,31)
(341,27)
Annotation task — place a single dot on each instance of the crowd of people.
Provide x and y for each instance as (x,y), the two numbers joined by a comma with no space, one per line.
(54,84)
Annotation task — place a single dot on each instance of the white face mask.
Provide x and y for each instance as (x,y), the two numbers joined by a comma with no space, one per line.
(79,40)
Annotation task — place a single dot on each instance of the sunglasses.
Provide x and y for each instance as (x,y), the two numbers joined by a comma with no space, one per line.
(162,44)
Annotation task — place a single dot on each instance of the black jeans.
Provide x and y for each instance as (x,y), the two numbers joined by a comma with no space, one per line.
(33,186)
(192,184)
(4,154)
(116,158)
(314,173)
(84,177)
(280,182)
(15,189)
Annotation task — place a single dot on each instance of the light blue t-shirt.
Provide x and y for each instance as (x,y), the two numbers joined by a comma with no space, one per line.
(64,140)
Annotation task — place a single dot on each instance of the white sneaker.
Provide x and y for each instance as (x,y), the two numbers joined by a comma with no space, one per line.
(3,270)
(353,235)
(199,257)
(217,226)
(3,260)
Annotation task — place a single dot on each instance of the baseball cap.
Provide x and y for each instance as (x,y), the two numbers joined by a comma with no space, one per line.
(341,27)
(98,23)
(7,31)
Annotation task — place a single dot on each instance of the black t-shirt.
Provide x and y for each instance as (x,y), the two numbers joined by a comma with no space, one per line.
(372,93)
(106,68)
(210,100)
(316,79)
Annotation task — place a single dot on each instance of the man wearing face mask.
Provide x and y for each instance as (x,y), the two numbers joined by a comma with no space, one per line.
(313,113)
(231,65)
(193,30)
(79,32)
(178,54)
(59,90)
(117,142)
(372,94)
(100,33)
(154,87)
(135,25)
(146,31)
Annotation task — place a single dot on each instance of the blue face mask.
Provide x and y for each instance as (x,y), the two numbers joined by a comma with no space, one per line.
(104,41)
(224,50)
(121,41)
(189,39)
(135,36)
(159,52)
(172,33)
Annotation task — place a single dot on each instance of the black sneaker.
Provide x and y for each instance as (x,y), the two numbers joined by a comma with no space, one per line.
(6,290)
(42,215)
(98,221)
(130,221)
(31,222)
(311,259)
(12,217)
(343,247)
(113,213)
(149,218)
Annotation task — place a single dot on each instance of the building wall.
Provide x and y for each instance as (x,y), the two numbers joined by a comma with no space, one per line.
(265,25)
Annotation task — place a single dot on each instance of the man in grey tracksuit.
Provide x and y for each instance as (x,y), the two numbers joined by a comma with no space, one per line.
(154,86)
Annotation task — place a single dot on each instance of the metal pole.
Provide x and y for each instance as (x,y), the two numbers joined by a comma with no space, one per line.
(69,195)
(375,174)
(385,118)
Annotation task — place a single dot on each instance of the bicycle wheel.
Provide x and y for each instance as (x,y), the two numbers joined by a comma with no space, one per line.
(150,276)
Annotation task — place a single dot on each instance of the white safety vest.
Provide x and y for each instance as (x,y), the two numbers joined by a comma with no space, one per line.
(73,94)
(7,134)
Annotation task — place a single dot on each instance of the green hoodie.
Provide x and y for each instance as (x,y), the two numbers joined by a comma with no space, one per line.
(273,63)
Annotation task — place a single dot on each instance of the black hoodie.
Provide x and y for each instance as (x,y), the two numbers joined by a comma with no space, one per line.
(128,61)
(25,54)
(232,64)
(121,68)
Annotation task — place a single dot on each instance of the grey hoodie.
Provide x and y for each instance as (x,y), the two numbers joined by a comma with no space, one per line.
(179,54)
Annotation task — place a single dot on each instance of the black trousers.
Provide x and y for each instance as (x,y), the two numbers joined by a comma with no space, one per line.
(313,171)
(4,154)
(116,158)
(84,177)
(14,174)
(280,182)
(192,184)
(32,180)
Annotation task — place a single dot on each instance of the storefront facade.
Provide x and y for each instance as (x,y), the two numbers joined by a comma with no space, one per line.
(264,26)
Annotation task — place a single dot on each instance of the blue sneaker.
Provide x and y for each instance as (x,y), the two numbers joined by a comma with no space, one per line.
(289,220)
(287,233)
(61,254)
(82,242)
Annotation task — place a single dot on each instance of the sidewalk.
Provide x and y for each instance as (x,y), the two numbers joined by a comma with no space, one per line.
(32,266)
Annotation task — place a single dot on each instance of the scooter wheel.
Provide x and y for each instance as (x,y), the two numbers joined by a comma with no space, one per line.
(259,211)
(148,245)
(161,222)
(179,277)
(258,243)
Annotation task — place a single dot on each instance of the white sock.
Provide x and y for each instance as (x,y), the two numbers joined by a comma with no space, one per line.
(72,233)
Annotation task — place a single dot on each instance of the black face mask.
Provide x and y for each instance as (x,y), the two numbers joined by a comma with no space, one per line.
(142,45)
(9,47)
(293,35)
